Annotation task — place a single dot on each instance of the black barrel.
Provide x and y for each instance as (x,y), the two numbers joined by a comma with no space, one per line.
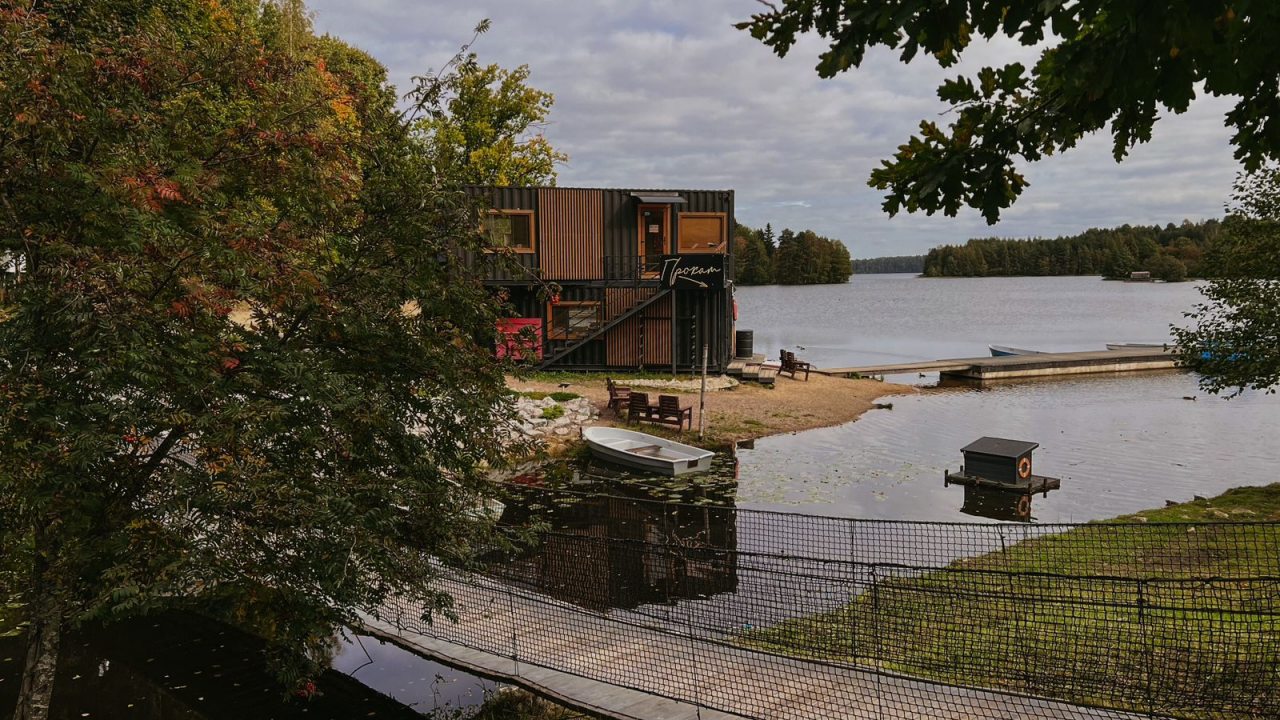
(744,341)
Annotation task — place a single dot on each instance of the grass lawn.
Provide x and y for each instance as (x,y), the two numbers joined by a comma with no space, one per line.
(1179,619)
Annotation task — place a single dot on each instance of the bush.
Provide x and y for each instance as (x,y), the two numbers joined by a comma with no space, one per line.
(553,412)
(534,395)
(563,396)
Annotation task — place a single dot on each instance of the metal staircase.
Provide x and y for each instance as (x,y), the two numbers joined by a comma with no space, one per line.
(561,351)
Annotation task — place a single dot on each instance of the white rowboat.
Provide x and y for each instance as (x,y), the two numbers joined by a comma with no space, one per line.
(646,452)
(1138,346)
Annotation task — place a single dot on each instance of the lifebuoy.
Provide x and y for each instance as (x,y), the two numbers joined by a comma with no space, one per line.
(1024,468)
(1024,506)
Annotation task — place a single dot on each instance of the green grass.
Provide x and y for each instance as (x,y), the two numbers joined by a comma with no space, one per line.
(1066,615)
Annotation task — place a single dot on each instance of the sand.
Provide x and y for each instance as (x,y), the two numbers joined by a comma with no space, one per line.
(749,410)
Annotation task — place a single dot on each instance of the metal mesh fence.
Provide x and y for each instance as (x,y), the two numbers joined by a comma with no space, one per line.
(775,615)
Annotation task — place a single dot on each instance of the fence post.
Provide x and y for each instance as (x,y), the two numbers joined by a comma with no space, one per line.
(1146,645)
(511,613)
(876,631)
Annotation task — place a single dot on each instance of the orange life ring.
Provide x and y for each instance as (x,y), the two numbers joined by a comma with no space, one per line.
(1024,506)
(1024,468)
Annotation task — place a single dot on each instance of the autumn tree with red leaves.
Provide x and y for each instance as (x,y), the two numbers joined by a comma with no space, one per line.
(241,341)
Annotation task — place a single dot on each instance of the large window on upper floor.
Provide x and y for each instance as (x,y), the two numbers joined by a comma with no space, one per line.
(511,230)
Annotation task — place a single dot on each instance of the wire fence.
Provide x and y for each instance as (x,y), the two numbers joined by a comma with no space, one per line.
(775,615)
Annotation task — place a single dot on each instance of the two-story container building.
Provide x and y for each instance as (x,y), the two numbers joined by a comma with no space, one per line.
(645,277)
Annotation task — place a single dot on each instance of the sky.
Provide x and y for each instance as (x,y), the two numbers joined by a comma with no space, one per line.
(668,94)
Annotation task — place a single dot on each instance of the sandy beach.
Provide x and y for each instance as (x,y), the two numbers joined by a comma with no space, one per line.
(749,410)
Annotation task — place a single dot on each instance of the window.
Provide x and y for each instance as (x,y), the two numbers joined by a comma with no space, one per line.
(570,320)
(512,229)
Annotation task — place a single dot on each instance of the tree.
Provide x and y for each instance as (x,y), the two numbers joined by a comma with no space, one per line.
(1108,62)
(242,339)
(1167,268)
(1234,342)
(480,126)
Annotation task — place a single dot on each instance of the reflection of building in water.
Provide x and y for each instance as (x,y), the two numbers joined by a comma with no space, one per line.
(997,504)
(621,552)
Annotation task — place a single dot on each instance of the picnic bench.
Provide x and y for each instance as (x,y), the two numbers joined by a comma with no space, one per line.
(619,396)
(667,412)
(790,364)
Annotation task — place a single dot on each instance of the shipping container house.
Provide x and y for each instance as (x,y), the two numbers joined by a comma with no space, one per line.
(644,277)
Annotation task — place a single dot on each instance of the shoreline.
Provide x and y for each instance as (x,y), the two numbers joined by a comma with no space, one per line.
(742,413)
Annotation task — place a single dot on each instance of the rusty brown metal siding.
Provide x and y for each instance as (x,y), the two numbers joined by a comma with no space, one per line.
(569,229)
(624,347)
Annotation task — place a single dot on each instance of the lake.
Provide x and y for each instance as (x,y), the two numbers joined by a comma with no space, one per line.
(1120,442)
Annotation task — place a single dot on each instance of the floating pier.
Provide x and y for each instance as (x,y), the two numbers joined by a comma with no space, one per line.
(1012,367)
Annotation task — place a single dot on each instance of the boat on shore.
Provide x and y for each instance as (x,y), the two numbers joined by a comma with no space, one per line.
(1139,346)
(1005,350)
(646,452)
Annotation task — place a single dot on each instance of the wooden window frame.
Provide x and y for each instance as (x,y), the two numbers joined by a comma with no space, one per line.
(533,232)
(723,247)
(666,227)
(555,333)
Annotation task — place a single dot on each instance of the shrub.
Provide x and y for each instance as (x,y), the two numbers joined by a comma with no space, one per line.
(563,396)
(553,412)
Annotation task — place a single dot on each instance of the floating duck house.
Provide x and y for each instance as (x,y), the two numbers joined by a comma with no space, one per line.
(1001,464)
(644,277)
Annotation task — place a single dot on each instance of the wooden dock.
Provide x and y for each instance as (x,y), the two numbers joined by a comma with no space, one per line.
(1012,367)
(630,671)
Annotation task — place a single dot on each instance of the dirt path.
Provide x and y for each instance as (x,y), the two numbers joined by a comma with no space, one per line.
(749,410)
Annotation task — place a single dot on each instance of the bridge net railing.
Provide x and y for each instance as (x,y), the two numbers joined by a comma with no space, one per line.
(771,615)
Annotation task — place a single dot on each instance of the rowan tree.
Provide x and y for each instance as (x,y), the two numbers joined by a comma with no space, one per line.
(241,352)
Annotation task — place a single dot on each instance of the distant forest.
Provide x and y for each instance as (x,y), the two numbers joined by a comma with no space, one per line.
(895,264)
(1172,253)
(790,258)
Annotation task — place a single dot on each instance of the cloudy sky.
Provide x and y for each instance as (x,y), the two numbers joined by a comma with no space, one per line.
(667,94)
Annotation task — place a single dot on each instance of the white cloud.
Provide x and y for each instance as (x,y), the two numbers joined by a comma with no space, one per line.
(669,94)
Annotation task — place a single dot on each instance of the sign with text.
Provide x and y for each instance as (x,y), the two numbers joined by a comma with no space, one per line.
(699,271)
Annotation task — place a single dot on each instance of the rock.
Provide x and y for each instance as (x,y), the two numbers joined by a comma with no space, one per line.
(1219,514)
(1169,503)
(562,431)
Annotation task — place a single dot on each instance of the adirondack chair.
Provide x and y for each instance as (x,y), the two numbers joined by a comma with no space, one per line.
(619,396)
(638,407)
(671,413)
(790,365)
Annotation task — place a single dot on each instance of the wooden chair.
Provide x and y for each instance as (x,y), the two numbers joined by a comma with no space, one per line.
(790,365)
(671,413)
(619,396)
(638,407)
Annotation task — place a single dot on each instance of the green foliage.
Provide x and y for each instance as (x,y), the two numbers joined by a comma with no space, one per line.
(893,264)
(554,412)
(534,394)
(245,337)
(482,126)
(1100,66)
(800,259)
(1169,253)
(1234,342)
(564,396)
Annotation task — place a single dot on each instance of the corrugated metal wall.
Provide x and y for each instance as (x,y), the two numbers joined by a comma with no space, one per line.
(621,235)
(569,229)
(624,346)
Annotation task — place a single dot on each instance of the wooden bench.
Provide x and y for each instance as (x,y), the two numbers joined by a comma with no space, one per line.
(619,396)
(791,365)
(666,412)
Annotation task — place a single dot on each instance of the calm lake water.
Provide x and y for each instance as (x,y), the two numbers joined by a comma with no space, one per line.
(1120,443)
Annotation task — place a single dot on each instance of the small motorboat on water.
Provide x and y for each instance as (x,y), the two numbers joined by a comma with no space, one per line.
(646,452)
(1139,346)
(1005,350)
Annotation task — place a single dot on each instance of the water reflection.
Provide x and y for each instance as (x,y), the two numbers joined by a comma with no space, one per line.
(997,504)
(182,667)
(610,540)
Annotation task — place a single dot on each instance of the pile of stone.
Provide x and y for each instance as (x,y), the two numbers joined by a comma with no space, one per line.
(532,424)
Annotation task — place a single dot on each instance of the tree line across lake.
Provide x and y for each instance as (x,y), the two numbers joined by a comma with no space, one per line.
(789,258)
(1172,253)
